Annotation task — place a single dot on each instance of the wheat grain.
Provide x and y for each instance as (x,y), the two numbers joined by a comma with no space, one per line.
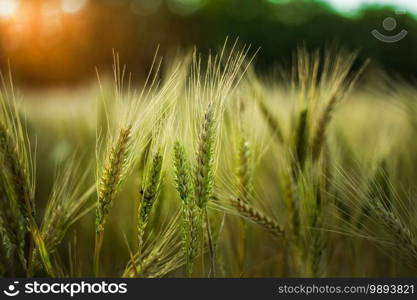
(204,165)
(397,229)
(245,170)
(149,194)
(16,171)
(109,182)
(257,217)
(112,176)
(191,213)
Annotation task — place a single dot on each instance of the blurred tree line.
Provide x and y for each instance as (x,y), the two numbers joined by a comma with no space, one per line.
(134,28)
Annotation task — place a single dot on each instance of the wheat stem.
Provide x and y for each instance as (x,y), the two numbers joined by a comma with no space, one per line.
(271,121)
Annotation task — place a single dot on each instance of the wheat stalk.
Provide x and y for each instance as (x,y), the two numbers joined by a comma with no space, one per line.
(16,171)
(149,194)
(272,122)
(301,142)
(183,174)
(402,235)
(323,123)
(191,213)
(109,182)
(67,203)
(16,174)
(204,156)
(7,241)
(14,220)
(245,169)
(112,176)
(245,189)
(257,217)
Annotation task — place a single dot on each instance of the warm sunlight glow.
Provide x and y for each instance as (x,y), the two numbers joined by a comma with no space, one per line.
(8,8)
(72,6)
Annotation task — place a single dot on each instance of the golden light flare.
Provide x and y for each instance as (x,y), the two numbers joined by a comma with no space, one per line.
(8,8)
(30,24)
(44,35)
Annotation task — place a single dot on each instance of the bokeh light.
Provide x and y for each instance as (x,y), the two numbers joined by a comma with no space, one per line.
(73,6)
(351,5)
(8,8)
(184,7)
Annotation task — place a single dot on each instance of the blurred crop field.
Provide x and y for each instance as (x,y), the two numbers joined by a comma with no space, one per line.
(196,163)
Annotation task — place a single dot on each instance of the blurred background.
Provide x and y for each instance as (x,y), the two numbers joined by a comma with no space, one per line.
(58,43)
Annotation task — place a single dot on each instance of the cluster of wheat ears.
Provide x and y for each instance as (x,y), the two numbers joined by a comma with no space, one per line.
(208,170)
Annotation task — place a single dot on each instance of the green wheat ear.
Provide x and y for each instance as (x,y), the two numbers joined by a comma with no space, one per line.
(7,240)
(16,213)
(244,178)
(301,142)
(399,231)
(204,176)
(320,132)
(257,217)
(149,194)
(16,171)
(67,202)
(182,174)
(16,178)
(245,169)
(191,213)
(114,170)
(112,176)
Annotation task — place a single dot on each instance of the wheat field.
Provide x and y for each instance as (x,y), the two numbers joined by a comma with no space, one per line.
(209,169)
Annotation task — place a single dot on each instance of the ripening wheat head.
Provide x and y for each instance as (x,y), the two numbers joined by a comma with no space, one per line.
(67,203)
(17,173)
(134,114)
(320,82)
(209,87)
